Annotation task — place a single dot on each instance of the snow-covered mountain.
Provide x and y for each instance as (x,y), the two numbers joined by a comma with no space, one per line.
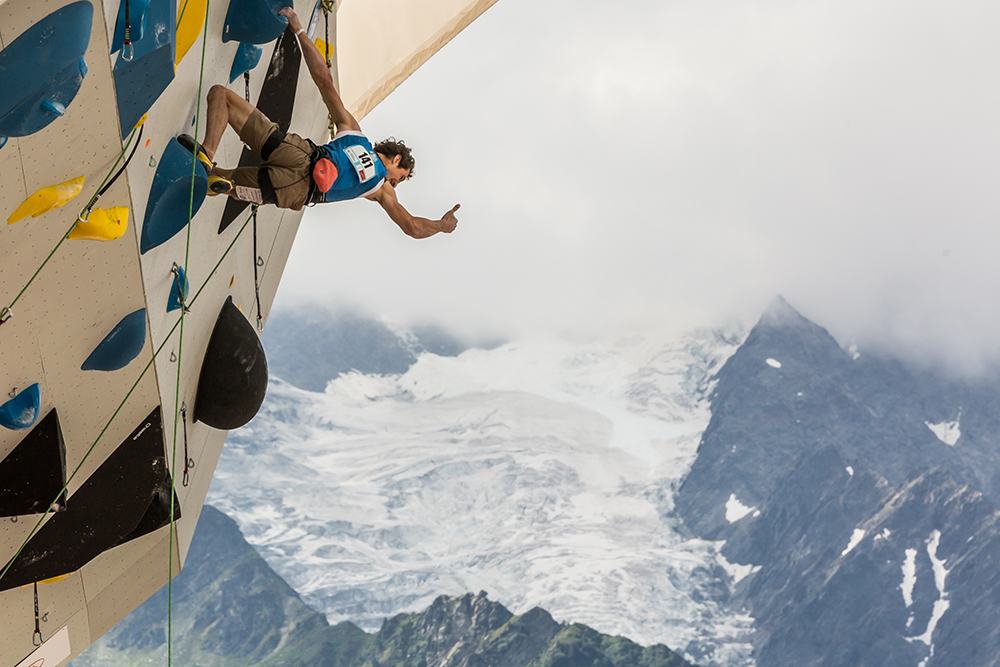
(542,471)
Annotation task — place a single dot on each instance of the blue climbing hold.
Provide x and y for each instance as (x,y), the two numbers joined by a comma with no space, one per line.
(254,21)
(137,10)
(247,57)
(178,291)
(141,81)
(170,196)
(121,346)
(41,71)
(21,411)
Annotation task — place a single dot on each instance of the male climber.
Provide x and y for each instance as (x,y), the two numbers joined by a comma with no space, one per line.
(294,171)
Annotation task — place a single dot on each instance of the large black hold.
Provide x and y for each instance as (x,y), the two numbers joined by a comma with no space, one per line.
(276,100)
(103,513)
(233,377)
(33,476)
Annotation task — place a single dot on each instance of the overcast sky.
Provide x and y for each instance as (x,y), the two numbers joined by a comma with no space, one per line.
(646,164)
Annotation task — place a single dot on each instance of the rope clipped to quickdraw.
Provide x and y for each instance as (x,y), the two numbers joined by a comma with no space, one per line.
(180,284)
(127,43)
(188,461)
(257,261)
(8,311)
(85,213)
(36,638)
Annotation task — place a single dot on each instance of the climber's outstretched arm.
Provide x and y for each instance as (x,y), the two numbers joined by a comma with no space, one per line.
(412,225)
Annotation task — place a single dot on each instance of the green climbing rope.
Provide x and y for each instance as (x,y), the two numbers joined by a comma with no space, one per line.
(180,353)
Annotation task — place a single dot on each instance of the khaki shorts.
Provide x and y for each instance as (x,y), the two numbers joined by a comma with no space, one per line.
(288,164)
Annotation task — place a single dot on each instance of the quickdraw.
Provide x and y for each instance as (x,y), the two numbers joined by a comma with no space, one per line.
(188,461)
(258,261)
(127,43)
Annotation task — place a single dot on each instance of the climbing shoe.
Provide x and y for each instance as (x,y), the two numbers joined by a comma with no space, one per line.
(217,185)
(188,142)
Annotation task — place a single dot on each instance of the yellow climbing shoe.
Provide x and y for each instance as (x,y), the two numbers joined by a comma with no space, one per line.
(217,185)
(188,142)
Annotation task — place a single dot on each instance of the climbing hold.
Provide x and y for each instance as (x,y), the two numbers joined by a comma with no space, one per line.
(322,46)
(101,225)
(254,21)
(190,19)
(120,500)
(170,196)
(140,81)
(233,377)
(137,10)
(53,107)
(178,289)
(21,411)
(121,346)
(47,199)
(247,57)
(42,70)
(34,473)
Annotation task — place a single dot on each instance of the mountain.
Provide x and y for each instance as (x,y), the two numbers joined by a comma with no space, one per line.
(771,499)
(229,608)
(858,495)
(542,470)
(307,346)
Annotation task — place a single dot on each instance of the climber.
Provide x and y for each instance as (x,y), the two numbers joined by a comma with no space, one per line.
(296,172)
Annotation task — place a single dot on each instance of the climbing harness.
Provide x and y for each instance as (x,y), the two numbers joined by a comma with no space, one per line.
(36,638)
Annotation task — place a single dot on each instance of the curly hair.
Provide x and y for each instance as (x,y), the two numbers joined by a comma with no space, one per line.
(391,147)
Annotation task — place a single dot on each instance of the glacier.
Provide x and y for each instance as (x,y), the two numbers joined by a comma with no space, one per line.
(542,471)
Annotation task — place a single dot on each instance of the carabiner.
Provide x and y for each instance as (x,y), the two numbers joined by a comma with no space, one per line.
(131,52)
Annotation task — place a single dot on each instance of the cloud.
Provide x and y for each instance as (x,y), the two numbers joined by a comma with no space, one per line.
(623,165)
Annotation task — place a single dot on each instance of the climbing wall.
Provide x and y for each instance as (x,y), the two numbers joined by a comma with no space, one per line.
(80,297)
(119,379)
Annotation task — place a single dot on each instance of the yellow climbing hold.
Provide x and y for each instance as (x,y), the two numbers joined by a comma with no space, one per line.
(101,225)
(190,19)
(142,120)
(321,45)
(47,199)
(51,580)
